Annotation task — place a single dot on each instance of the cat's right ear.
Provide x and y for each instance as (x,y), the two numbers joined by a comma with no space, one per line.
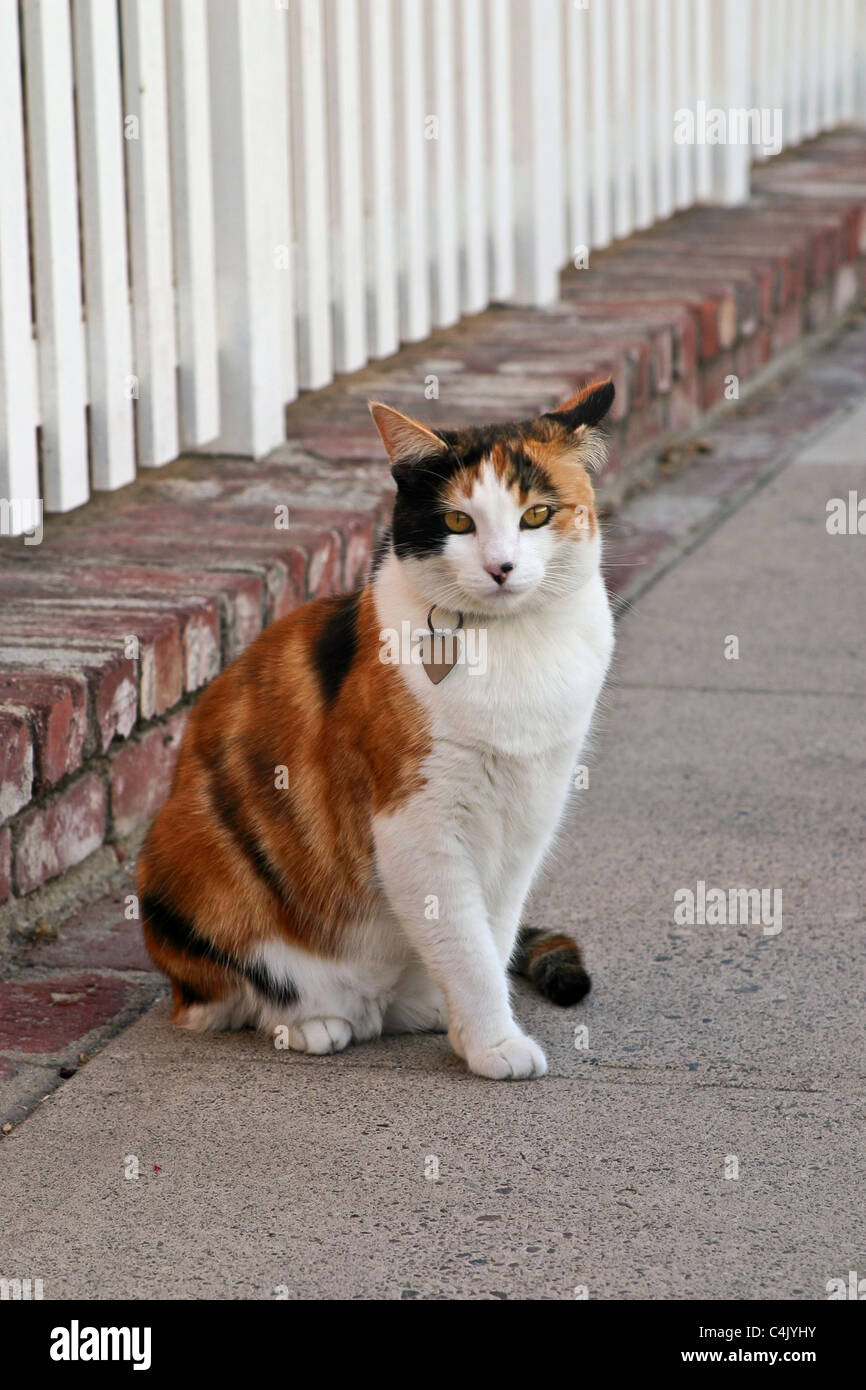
(407,441)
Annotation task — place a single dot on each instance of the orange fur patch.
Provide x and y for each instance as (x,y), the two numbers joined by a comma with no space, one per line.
(245,860)
(560,461)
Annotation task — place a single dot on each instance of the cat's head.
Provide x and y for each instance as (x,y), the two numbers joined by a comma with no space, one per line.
(493,520)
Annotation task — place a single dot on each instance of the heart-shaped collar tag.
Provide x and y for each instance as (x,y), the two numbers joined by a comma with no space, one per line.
(441,650)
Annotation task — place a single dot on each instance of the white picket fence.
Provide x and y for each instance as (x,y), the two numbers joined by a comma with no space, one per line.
(209,205)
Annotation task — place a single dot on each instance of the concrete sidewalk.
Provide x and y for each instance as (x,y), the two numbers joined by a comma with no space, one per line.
(710,1048)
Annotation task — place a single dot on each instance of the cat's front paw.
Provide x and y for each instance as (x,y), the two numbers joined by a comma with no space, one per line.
(516,1058)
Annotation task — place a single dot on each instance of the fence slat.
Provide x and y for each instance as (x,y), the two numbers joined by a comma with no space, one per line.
(703,89)
(446,283)
(848,52)
(732,89)
(758,95)
(684,86)
(794,102)
(538,151)
(309,166)
(412,182)
(54,196)
(249,123)
(19,477)
(830,26)
(377,44)
(776,75)
(103,216)
(346,189)
(192,206)
(813,68)
(623,211)
(473,174)
(499,151)
(641,115)
(663,111)
(275,69)
(148,181)
(599,30)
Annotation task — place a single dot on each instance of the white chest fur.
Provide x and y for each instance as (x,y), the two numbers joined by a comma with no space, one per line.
(523,685)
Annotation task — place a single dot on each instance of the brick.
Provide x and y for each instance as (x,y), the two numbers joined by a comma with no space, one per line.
(53,838)
(713,379)
(161,658)
(685,404)
(102,937)
(745,287)
(334,441)
(662,360)
(325,563)
(16,761)
(845,292)
(643,428)
(819,308)
(57,708)
(110,677)
(358,557)
(201,646)
(714,305)
(46,1015)
(179,639)
(141,774)
(786,330)
(161,662)
(244,618)
(752,354)
(286,582)
(238,596)
(639,357)
(5,864)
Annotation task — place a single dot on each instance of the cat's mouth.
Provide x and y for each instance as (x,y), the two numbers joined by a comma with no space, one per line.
(499,600)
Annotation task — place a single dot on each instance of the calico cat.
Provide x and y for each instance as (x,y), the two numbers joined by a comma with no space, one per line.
(352,834)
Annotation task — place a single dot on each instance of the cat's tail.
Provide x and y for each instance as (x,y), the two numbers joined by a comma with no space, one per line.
(552,962)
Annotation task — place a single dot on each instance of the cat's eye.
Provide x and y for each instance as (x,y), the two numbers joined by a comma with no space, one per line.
(459,522)
(536,516)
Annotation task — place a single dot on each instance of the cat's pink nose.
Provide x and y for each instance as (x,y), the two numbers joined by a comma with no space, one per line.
(500,572)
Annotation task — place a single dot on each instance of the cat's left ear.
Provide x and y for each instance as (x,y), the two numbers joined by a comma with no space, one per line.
(577,420)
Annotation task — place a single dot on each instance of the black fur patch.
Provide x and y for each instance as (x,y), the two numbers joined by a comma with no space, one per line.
(561,977)
(176,931)
(281,993)
(381,550)
(337,644)
(227,809)
(591,410)
(189,995)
